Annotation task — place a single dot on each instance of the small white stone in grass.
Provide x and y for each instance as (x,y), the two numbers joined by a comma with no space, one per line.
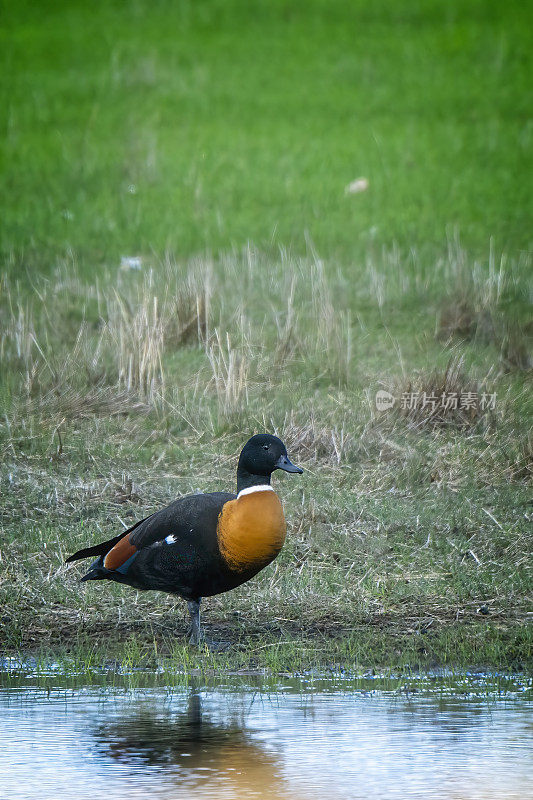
(170,539)
(131,262)
(359,185)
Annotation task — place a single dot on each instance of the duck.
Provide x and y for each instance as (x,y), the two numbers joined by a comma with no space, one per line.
(203,544)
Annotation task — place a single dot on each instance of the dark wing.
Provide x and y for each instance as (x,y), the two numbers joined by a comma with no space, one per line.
(191,521)
(176,549)
(193,515)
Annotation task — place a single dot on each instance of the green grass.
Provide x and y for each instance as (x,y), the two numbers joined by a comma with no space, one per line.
(215,140)
(408,535)
(198,127)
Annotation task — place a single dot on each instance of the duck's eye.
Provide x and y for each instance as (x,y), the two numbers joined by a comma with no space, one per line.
(265,447)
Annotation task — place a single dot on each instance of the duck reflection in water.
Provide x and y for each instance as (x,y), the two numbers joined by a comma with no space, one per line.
(194,751)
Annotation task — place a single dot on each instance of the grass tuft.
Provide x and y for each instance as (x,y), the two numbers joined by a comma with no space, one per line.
(443,398)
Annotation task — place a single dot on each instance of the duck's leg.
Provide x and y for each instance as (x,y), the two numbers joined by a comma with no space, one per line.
(197,636)
(194,612)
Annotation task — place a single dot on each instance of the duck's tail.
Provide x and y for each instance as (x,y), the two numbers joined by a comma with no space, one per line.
(98,549)
(97,571)
(101,549)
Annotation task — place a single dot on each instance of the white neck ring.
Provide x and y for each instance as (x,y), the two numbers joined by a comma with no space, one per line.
(263,487)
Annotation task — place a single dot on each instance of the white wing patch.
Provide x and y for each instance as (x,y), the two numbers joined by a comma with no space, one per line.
(170,539)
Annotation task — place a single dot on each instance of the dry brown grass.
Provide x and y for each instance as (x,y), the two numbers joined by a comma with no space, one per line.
(516,347)
(230,369)
(458,318)
(137,336)
(520,459)
(132,324)
(315,442)
(114,358)
(443,398)
(473,310)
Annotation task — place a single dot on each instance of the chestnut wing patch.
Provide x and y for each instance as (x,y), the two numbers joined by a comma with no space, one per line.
(120,553)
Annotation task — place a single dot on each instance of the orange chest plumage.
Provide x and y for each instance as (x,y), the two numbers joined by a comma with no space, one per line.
(251,530)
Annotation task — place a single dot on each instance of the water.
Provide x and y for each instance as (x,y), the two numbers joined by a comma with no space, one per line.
(240,738)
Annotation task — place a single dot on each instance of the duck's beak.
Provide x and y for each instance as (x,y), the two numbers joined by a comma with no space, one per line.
(286,464)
